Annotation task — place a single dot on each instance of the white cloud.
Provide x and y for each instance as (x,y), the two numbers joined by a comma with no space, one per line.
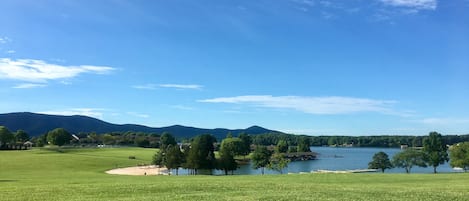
(312,105)
(65,82)
(91,112)
(10,52)
(138,115)
(176,86)
(444,121)
(28,86)
(146,86)
(4,40)
(181,86)
(415,4)
(40,71)
(304,2)
(181,107)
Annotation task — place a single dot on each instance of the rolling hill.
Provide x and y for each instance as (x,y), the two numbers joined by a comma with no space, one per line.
(37,124)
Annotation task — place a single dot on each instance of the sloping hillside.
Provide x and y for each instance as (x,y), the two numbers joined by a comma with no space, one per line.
(37,124)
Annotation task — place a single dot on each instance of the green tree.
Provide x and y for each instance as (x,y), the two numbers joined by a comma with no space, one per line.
(142,142)
(332,140)
(261,158)
(201,154)
(94,138)
(282,146)
(169,154)
(417,141)
(167,139)
(174,158)
(436,150)
(303,144)
(247,141)
(59,137)
(459,155)
(380,161)
(21,136)
(408,158)
(108,139)
(229,148)
(234,145)
(5,136)
(292,149)
(159,158)
(41,140)
(278,162)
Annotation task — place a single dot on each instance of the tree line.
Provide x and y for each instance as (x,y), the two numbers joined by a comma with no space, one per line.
(433,154)
(384,141)
(12,140)
(60,136)
(151,140)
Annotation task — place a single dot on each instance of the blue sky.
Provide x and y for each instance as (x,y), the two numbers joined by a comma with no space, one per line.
(316,67)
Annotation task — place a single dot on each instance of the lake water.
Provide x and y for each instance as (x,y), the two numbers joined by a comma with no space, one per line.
(341,158)
(338,158)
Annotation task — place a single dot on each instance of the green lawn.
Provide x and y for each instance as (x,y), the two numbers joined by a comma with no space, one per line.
(79,175)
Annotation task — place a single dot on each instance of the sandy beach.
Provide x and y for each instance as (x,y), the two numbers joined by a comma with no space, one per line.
(139,170)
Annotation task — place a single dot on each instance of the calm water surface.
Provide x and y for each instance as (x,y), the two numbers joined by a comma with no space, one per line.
(341,158)
(337,158)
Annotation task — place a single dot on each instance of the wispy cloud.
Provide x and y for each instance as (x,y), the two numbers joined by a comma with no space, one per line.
(376,10)
(40,71)
(175,86)
(181,86)
(304,5)
(91,112)
(29,86)
(146,86)
(135,114)
(444,121)
(4,40)
(182,107)
(312,105)
(414,4)
(10,52)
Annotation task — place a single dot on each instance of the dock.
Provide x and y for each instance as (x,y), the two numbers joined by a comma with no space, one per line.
(345,171)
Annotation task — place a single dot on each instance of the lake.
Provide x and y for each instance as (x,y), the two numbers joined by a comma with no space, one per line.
(342,158)
(337,158)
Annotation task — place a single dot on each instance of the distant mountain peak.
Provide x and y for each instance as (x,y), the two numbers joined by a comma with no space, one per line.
(255,127)
(258,129)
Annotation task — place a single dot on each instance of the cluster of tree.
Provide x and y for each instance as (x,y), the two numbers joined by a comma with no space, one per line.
(200,153)
(9,140)
(263,158)
(459,156)
(58,136)
(12,140)
(149,140)
(357,141)
(434,153)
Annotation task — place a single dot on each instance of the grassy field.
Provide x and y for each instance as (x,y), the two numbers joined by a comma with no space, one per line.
(79,175)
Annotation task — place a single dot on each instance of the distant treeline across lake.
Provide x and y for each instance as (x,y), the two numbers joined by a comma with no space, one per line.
(385,141)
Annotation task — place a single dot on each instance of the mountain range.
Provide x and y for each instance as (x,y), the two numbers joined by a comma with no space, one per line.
(36,124)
